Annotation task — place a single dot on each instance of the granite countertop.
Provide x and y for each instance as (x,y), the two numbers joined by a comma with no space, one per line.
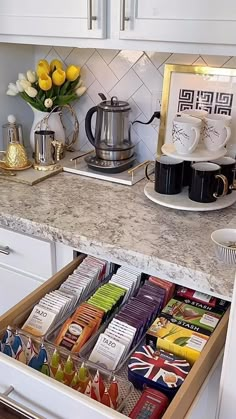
(119,223)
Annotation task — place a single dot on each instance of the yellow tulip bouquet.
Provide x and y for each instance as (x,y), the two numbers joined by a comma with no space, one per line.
(49,86)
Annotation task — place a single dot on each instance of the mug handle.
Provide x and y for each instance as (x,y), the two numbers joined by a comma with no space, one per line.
(228,135)
(146,171)
(197,133)
(233,186)
(225,184)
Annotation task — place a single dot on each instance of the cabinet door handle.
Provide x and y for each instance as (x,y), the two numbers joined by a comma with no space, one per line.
(17,407)
(123,18)
(90,14)
(5,250)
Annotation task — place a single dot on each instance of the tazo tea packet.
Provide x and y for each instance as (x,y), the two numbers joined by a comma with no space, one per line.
(165,334)
(107,352)
(186,314)
(39,321)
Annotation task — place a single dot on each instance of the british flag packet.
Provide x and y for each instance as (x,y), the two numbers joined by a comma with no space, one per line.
(157,369)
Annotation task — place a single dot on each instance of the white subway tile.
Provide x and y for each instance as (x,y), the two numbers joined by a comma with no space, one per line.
(79,56)
(93,91)
(158,58)
(102,72)
(231,63)
(215,60)
(108,54)
(127,86)
(143,99)
(124,61)
(148,73)
(82,106)
(87,76)
(63,52)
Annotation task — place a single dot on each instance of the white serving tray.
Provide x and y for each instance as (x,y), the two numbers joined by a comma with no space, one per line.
(80,167)
(181,201)
(200,154)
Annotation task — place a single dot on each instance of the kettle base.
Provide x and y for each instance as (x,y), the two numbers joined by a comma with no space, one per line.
(109,166)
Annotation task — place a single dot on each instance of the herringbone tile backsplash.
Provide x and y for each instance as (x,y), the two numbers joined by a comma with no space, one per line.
(135,76)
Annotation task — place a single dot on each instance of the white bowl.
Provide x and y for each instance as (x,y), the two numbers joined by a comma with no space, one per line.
(220,239)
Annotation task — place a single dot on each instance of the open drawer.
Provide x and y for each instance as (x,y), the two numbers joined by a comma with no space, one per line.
(51,399)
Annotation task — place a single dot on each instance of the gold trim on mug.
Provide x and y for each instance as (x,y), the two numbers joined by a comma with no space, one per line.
(225,183)
(146,172)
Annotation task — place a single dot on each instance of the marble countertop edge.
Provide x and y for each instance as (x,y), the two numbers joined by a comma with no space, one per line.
(151,265)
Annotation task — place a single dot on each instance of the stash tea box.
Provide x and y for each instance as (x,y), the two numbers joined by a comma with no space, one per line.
(206,320)
(157,369)
(166,334)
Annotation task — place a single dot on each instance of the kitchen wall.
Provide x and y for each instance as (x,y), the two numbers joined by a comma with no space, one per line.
(136,76)
(14,59)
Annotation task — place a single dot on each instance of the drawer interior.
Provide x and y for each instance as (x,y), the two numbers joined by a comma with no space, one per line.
(189,389)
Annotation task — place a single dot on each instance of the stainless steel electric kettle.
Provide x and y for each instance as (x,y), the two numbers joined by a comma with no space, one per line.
(111,139)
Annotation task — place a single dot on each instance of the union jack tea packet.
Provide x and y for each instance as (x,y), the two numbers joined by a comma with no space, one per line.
(157,369)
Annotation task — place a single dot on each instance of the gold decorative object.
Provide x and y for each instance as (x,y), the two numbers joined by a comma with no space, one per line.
(194,78)
(47,168)
(15,157)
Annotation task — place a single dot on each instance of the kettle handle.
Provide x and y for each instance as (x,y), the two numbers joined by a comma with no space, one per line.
(88,128)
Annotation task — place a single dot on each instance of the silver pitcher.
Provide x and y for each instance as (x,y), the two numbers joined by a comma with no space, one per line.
(47,149)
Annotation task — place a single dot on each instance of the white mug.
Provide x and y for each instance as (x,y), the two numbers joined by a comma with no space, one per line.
(217,131)
(197,113)
(186,132)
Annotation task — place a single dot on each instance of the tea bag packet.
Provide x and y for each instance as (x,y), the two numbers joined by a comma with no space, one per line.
(18,348)
(40,320)
(205,321)
(79,328)
(107,352)
(169,287)
(165,333)
(201,300)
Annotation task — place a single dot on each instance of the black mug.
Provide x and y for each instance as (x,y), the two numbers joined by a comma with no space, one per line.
(228,168)
(205,182)
(168,175)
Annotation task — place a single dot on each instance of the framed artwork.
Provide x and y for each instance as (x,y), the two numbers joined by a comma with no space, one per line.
(196,87)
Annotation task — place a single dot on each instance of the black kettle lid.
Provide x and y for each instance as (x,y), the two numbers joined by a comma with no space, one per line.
(114,105)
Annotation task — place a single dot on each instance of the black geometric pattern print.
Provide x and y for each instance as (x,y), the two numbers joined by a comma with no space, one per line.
(213,102)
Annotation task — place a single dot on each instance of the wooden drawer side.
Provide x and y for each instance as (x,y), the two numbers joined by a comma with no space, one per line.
(21,310)
(191,386)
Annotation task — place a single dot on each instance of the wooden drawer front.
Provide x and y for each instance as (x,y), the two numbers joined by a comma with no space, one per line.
(27,253)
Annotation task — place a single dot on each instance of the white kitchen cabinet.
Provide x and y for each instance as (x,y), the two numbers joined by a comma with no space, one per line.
(153,25)
(14,286)
(205,403)
(45,396)
(75,18)
(27,254)
(211,22)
